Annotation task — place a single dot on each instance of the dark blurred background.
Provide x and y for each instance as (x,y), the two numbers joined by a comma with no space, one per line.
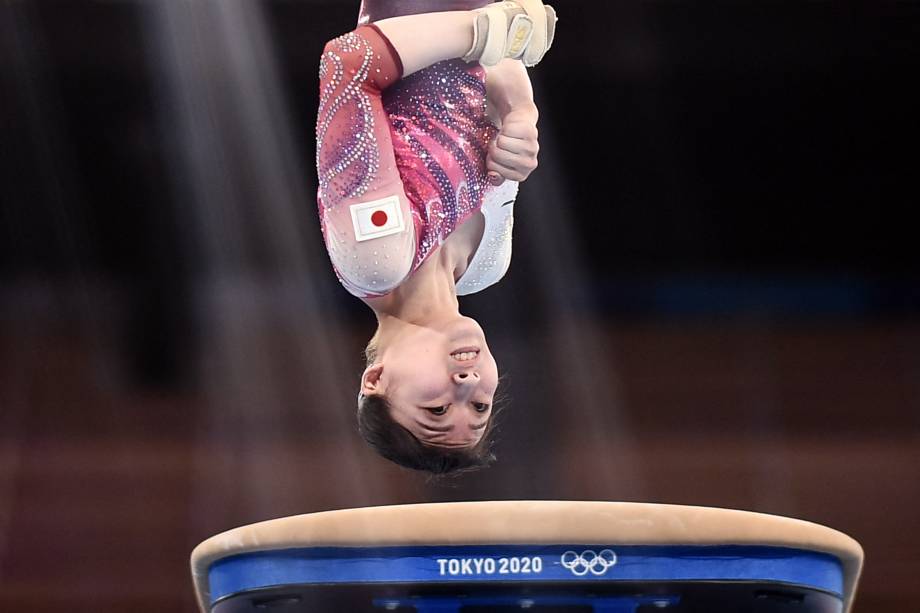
(714,295)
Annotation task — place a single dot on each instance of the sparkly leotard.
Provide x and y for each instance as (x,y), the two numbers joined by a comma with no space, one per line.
(423,138)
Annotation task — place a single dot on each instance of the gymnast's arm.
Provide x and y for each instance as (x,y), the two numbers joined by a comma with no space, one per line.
(513,154)
(355,160)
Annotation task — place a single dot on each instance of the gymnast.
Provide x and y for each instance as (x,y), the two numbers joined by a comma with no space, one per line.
(426,125)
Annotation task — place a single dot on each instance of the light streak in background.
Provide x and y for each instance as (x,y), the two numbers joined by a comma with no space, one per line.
(583,367)
(264,296)
(32,100)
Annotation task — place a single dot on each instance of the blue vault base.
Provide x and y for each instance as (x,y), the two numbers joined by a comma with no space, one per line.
(539,578)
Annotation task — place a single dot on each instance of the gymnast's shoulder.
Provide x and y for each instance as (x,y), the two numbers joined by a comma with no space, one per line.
(371,244)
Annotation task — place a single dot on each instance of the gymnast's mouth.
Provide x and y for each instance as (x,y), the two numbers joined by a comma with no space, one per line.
(466,354)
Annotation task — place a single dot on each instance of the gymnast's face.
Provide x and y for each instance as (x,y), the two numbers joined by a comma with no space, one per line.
(439,381)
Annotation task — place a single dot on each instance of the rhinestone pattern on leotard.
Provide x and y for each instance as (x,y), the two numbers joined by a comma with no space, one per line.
(441,134)
(347,159)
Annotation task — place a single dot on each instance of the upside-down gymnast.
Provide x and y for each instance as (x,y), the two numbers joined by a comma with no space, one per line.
(426,125)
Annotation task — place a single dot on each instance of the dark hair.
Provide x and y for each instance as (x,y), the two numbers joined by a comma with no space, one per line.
(398,445)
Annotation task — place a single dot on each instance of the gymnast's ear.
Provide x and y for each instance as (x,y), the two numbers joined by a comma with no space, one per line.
(371,380)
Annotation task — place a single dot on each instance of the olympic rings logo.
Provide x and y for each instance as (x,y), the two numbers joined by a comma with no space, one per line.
(596,563)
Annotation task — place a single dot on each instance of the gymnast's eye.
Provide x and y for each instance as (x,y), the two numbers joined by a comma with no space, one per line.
(481,407)
(436,410)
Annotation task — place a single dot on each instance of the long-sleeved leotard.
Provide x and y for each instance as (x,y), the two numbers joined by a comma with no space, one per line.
(412,149)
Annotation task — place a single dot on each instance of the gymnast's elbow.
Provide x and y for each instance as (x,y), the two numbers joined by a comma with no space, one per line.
(334,54)
(345,51)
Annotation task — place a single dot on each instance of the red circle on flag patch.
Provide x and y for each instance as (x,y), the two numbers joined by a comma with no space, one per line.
(379,218)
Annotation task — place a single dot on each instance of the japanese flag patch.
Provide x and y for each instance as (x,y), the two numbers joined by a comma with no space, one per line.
(377,219)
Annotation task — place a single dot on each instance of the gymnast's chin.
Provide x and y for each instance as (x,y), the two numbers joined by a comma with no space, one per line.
(427,396)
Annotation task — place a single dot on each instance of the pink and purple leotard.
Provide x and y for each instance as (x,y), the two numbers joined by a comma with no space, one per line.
(428,132)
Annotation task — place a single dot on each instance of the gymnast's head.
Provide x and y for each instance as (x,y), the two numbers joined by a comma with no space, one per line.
(427,395)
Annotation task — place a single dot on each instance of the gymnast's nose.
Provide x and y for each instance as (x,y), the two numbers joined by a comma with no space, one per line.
(466,378)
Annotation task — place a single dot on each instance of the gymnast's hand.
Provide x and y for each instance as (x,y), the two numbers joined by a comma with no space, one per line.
(513,153)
